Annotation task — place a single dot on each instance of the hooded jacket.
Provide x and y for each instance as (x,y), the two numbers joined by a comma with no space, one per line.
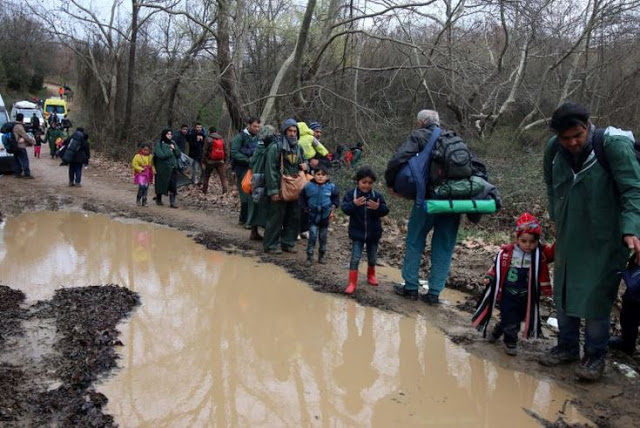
(285,156)
(309,144)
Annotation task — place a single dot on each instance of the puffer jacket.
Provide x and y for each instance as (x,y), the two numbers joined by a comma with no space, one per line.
(364,223)
(319,200)
(310,146)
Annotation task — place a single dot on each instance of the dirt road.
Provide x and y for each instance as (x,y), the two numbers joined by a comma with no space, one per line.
(212,221)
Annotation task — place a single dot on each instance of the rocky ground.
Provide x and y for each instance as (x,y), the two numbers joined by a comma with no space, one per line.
(56,389)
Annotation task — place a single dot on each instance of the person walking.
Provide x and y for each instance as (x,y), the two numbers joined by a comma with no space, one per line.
(76,154)
(165,157)
(52,136)
(242,147)
(20,156)
(593,187)
(214,158)
(196,144)
(283,217)
(143,170)
(445,226)
(260,202)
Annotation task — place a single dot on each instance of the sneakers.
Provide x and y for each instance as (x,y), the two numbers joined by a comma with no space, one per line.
(430,299)
(511,349)
(71,184)
(289,250)
(591,368)
(558,356)
(304,235)
(407,294)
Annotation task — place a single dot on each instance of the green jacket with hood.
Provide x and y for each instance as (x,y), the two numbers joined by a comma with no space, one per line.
(284,154)
(593,210)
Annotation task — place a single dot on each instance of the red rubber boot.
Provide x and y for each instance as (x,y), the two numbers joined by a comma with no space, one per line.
(353,282)
(371,276)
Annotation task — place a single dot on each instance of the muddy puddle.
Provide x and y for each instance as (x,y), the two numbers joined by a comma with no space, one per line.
(226,341)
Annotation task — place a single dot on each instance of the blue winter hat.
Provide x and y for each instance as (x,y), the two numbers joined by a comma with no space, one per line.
(315,126)
(631,277)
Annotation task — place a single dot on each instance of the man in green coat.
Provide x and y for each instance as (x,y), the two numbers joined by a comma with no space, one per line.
(596,210)
(242,147)
(283,218)
(53,133)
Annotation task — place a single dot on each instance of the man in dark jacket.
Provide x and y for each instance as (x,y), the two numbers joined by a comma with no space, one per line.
(445,226)
(242,147)
(35,123)
(196,143)
(76,153)
(180,138)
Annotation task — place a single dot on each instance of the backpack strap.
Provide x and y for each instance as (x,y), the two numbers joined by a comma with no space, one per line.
(598,148)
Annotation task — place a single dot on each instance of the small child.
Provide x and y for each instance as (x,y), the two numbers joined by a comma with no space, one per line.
(365,207)
(38,146)
(143,171)
(319,198)
(519,275)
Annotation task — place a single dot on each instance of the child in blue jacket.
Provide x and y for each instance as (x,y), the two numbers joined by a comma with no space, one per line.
(365,207)
(319,198)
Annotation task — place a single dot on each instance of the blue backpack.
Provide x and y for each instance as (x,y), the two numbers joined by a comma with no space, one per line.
(411,180)
(8,139)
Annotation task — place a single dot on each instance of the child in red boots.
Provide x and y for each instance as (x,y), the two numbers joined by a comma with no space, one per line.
(518,277)
(365,207)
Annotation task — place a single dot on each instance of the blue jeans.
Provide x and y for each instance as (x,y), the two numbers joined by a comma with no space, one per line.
(75,172)
(196,166)
(21,162)
(357,247)
(596,334)
(443,242)
(322,231)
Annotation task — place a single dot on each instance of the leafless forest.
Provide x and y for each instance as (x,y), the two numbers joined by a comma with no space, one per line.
(495,69)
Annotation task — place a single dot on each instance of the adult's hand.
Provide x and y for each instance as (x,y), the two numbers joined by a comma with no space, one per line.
(275,198)
(633,243)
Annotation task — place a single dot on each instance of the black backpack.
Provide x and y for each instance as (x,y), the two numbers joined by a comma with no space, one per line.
(450,159)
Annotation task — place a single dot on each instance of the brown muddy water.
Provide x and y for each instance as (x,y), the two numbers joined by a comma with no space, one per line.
(226,341)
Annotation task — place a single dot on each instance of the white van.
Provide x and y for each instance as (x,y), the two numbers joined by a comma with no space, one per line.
(27,108)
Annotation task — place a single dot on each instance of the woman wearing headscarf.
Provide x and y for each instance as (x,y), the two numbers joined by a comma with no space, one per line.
(165,157)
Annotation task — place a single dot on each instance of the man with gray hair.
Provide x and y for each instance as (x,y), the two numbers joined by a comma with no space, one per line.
(445,226)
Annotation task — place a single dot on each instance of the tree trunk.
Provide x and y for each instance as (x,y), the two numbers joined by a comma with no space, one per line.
(228,78)
(131,73)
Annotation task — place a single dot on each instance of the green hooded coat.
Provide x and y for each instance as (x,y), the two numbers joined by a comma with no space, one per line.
(592,210)
(165,161)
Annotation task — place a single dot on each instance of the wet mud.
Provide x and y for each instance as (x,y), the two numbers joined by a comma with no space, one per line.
(212,222)
(54,350)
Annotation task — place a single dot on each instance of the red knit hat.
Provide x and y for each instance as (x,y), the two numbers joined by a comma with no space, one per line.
(527,223)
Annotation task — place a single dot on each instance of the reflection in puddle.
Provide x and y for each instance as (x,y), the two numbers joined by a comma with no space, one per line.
(222,340)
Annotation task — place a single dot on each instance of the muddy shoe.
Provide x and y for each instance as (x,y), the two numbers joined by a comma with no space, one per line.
(321,259)
(407,294)
(559,356)
(309,261)
(495,335)
(591,368)
(430,299)
(255,235)
(273,251)
(511,349)
(291,250)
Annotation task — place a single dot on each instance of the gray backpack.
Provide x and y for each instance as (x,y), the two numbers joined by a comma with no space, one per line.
(450,159)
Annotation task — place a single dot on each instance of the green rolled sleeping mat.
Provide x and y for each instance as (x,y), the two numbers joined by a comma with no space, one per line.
(465,188)
(460,206)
